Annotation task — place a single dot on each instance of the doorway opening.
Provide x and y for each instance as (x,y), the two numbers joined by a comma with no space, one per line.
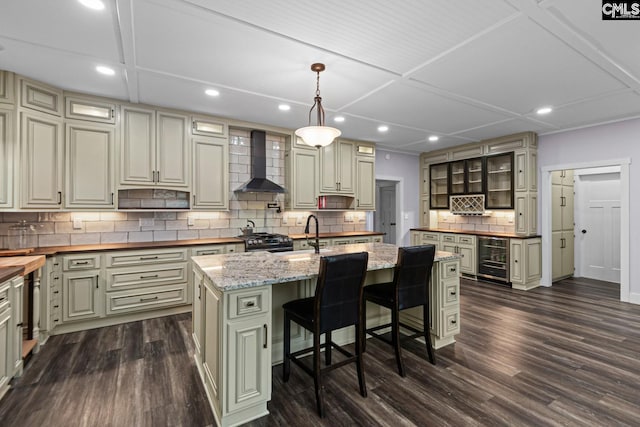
(387,211)
(618,219)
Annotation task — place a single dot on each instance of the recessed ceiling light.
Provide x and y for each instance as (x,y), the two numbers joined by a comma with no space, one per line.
(338,119)
(92,4)
(544,110)
(433,138)
(212,92)
(284,107)
(105,70)
(383,128)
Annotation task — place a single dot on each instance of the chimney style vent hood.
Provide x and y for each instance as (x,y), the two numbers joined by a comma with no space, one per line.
(258,183)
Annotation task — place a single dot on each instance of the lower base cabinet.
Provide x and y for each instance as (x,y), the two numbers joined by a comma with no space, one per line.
(234,337)
(526,263)
(6,372)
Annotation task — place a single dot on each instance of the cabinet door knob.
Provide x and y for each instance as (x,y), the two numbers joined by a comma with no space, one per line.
(583,231)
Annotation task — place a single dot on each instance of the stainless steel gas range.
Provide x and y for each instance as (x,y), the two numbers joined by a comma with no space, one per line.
(267,242)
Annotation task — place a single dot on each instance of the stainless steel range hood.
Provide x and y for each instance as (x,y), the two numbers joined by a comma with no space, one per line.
(259,182)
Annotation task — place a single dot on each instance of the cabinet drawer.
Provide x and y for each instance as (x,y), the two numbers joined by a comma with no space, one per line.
(248,303)
(132,278)
(448,238)
(80,262)
(208,250)
(147,299)
(468,240)
(449,269)
(376,239)
(121,259)
(451,291)
(450,321)
(90,109)
(430,238)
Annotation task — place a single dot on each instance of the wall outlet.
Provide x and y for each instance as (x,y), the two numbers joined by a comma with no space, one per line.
(77,224)
(146,222)
(191,221)
(299,220)
(284,220)
(348,218)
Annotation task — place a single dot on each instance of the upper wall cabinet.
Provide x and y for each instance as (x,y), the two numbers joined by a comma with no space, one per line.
(90,109)
(154,149)
(90,166)
(42,167)
(439,179)
(366,183)
(337,168)
(205,126)
(466,176)
(499,181)
(7,95)
(301,166)
(40,97)
(6,158)
(210,173)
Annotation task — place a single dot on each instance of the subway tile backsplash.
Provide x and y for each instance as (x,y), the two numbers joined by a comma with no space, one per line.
(497,222)
(81,228)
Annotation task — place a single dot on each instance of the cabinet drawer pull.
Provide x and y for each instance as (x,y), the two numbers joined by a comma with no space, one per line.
(208,253)
(81,262)
(250,304)
(56,306)
(266,335)
(151,276)
(146,258)
(56,320)
(454,321)
(56,292)
(56,278)
(149,299)
(452,269)
(3,299)
(453,293)
(19,325)
(59,197)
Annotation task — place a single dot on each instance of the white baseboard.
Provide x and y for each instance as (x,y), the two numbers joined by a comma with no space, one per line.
(634,298)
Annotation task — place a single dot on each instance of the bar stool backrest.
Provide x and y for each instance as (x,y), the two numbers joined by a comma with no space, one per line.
(412,275)
(338,297)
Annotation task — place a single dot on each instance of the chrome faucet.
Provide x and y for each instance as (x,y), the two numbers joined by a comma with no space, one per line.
(315,245)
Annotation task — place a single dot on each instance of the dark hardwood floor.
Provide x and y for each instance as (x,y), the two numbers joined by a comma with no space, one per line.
(565,355)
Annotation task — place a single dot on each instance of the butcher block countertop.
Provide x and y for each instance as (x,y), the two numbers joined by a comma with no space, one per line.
(24,264)
(337,234)
(7,273)
(475,233)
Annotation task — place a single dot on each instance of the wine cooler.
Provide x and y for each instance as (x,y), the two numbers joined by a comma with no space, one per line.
(493,258)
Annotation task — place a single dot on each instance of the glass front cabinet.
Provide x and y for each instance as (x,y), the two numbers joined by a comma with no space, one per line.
(466,176)
(499,181)
(439,192)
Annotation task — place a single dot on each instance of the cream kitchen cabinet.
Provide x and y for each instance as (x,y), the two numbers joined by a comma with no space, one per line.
(154,149)
(40,97)
(90,109)
(210,173)
(525,263)
(90,171)
(208,126)
(42,147)
(82,297)
(463,245)
(562,224)
(6,157)
(337,174)
(365,183)
(7,94)
(6,337)
(17,319)
(301,179)
(425,238)
(236,353)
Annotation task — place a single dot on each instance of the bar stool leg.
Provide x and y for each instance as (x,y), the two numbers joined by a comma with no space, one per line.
(359,362)
(427,333)
(316,374)
(327,348)
(286,362)
(395,337)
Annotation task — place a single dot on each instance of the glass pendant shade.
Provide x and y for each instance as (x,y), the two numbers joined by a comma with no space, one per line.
(318,136)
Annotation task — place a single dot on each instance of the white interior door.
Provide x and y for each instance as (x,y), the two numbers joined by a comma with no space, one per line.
(598,226)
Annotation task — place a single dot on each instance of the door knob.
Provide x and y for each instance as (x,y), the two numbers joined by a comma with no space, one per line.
(584,231)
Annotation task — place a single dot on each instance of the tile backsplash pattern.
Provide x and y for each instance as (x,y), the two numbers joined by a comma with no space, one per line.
(497,222)
(57,228)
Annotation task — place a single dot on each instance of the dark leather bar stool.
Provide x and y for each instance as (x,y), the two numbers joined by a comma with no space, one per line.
(410,288)
(337,303)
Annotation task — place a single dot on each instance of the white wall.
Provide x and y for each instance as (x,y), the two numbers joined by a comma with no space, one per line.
(405,168)
(598,144)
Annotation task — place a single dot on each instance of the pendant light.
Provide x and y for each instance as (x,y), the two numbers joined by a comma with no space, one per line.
(319,135)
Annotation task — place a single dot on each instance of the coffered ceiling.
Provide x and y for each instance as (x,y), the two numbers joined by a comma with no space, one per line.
(463,71)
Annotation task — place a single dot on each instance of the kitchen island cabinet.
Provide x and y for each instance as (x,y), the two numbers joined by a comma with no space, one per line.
(237,304)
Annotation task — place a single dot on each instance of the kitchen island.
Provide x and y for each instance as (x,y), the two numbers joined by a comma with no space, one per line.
(238,321)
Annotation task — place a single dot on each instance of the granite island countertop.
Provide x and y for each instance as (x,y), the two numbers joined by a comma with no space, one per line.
(234,271)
